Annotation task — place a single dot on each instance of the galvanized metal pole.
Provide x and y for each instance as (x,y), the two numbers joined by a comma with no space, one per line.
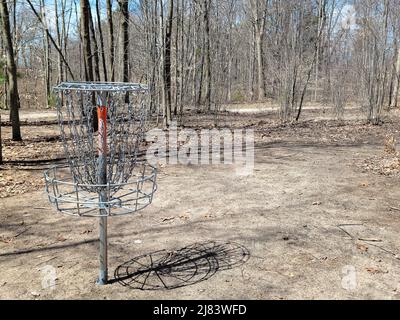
(103,271)
(102,177)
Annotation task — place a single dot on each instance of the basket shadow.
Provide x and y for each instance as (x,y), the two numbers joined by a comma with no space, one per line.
(165,270)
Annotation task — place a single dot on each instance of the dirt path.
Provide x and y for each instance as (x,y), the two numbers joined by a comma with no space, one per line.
(29,115)
(287,231)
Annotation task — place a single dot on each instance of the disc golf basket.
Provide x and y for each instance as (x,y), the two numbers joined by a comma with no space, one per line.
(101,125)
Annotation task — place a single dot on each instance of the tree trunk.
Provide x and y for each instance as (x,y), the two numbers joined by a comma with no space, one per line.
(12,93)
(87,51)
(95,47)
(103,57)
(47,50)
(182,58)
(177,49)
(207,53)
(64,34)
(111,39)
(167,64)
(59,42)
(260,65)
(124,38)
(258,11)
(396,82)
(196,27)
(321,9)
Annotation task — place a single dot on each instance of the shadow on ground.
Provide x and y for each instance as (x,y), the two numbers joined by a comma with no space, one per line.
(165,269)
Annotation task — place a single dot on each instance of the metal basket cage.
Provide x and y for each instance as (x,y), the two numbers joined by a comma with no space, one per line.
(125,118)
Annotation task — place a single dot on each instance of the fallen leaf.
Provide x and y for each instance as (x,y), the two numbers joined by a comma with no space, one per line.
(61,238)
(362,247)
(375,270)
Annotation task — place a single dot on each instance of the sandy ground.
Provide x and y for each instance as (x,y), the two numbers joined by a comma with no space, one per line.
(309,223)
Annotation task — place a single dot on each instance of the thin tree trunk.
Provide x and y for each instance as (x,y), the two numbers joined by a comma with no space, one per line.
(124,38)
(87,52)
(85,31)
(196,27)
(12,93)
(260,66)
(162,76)
(321,9)
(59,41)
(47,50)
(111,39)
(182,59)
(396,82)
(207,53)
(177,48)
(167,64)
(258,11)
(103,57)
(95,47)
(64,34)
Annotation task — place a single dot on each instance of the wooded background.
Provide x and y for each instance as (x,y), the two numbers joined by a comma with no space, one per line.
(201,54)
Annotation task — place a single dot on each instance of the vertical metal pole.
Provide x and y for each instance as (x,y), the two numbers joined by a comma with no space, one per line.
(102,179)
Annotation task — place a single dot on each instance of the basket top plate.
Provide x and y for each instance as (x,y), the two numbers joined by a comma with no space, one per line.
(102,86)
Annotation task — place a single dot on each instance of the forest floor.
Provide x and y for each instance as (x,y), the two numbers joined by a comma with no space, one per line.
(317,219)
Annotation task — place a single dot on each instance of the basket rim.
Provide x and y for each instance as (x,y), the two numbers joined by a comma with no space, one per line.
(54,169)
